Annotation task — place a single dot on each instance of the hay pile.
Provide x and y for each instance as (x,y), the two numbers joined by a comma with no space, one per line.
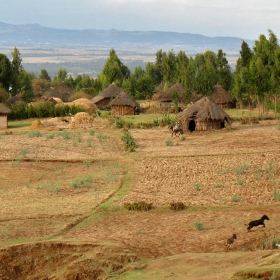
(58,122)
(36,125)
(82,119)
(87,104)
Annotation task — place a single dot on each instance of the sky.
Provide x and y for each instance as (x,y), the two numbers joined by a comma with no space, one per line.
(245,19)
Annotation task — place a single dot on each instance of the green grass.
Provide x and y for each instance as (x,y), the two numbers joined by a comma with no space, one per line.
(18,124)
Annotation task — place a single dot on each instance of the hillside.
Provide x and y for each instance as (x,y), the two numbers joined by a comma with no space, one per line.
(63,194)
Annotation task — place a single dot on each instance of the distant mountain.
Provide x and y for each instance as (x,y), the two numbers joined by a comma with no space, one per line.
(32,35)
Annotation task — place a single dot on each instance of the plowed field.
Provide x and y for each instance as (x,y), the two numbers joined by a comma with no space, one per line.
(62,197)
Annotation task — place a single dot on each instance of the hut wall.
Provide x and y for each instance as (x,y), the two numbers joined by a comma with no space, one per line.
(3,121)
(122,110)
(227,105)
(103,103)
(202,125)
(207,125)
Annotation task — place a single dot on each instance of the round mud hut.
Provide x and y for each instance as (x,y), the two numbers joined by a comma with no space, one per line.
(203,115)
(106,96)
(123,105)
(4,111)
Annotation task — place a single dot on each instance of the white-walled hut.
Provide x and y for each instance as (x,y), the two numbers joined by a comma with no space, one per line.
(106,96)
(4,111)
(203,115)
(123,105)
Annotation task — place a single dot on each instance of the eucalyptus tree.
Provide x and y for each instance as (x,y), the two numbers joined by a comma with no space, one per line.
(225,76)
(5,71)
(16,71)
(44,75)
(113,71)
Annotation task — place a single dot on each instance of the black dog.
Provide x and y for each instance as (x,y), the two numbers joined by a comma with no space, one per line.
(257,222)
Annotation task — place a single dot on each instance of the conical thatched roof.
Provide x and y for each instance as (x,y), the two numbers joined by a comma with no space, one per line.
(204,109)
(4,109)
(111,91)
(62,91)
(167,95)
(220,95)
(124,99)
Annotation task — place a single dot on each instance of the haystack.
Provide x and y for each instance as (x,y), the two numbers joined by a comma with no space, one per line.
(203,115)
(87,104)
(82,119)
(36,125)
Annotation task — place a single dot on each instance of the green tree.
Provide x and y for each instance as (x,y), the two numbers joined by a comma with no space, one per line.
(5,72)
(16,69)
(4,95)
(44,75)
(114,71)
(225,75)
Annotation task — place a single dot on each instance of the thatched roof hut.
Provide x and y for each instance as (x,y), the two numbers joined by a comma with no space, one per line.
(167,95)
(203,115)
(223,98)
(123,104)
(62,91)
(107,95)
(4,111)
(159,90)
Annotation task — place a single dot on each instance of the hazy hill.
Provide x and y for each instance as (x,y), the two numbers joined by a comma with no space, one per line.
(36,35)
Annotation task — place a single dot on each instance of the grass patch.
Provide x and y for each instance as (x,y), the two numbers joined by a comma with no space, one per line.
(82,182)
(176,206)
(128,141)
(34,133)
(197,186)
(138,206)
(199,225)
(169,143)
(276,194)
(235,198)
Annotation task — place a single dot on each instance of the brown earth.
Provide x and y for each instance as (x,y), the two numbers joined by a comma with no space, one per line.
(62,195)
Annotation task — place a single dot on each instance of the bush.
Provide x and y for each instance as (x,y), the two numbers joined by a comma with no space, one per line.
(138,206)
(129,142)
(177,206)
(199,226)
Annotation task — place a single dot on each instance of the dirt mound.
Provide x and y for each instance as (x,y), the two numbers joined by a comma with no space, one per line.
(64,261)
(36,125)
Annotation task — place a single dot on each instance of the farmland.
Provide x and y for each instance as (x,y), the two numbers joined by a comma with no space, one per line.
(63,194)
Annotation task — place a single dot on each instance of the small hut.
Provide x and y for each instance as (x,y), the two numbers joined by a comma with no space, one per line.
(159,90)
(203,115)
(123,105)
(104,97)
(167,96)
(223,98)
(62,91)
(4,111)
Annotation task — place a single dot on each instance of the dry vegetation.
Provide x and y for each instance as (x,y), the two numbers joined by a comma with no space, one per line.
(63,193)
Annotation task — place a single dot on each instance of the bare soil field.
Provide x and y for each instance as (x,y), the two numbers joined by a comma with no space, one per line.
(63,193)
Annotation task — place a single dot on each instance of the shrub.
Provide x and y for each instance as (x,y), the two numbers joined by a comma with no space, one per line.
(138,206)
(197,186)
(169,143)
(177,206)
(235,198)
(128,141)
(276,194)
(35,133)
(81,182)
(199,226)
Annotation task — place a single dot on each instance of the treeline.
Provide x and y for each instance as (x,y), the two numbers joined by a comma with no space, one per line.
(254,81)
